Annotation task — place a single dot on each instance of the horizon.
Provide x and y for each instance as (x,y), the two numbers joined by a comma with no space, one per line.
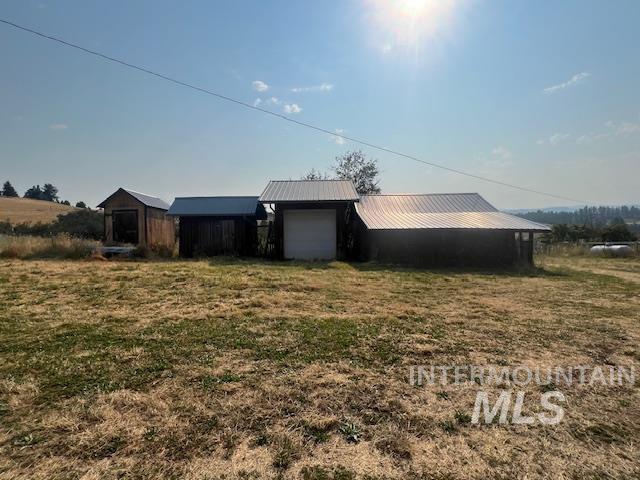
(520,93)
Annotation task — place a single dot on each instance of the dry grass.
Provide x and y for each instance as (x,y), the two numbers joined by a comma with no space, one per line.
(25,210)
(60,246)
(250,370)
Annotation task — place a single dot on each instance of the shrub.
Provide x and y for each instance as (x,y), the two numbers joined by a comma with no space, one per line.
(81,224)
(60,246)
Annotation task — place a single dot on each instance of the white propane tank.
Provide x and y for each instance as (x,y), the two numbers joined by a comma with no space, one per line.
(613,250)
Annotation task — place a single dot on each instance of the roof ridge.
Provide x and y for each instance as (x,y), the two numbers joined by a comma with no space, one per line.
(322,180)
(140,193)
(415,194)
(219,196)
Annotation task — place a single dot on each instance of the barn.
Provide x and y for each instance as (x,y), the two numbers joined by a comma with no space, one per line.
(312,217)
(137,218)
(457,229)
(218,225)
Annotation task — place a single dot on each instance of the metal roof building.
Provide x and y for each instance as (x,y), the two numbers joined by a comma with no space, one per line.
(442,229)
(132,217)
(438,211)
(311,218)
(278,191)
(217,207)
(218,225)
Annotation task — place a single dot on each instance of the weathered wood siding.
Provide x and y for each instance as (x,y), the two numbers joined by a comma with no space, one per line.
(155,228)
(160,228)
(208,236)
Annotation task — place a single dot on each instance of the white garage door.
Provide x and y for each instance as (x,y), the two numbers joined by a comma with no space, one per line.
(310,234)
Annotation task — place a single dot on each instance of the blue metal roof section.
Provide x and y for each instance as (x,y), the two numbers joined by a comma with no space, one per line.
(217,207)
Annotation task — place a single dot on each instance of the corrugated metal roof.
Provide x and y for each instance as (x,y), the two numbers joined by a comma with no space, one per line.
(147,200)
(309,191)
(446,211)
(216,206)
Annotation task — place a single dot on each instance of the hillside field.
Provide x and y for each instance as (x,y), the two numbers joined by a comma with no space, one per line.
(231,369)
(26,210)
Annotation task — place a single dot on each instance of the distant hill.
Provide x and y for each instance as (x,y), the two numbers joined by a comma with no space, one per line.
(594,217)
(516,211)
(25,210)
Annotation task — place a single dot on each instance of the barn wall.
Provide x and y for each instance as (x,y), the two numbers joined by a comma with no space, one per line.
(160,228)
(343,224)
(123,201)
(218,236)
(440,247)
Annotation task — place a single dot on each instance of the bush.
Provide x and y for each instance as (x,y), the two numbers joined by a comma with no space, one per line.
(82,224)
(60,246)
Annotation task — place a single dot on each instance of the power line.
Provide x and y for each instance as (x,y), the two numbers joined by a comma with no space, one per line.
(284,117)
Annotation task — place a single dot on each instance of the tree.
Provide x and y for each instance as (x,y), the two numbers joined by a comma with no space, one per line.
(81,205)
(80,223)
(618,233)
(314,174)
(363,172)
(50,193)
(34,192)
(8,190)
(65,202)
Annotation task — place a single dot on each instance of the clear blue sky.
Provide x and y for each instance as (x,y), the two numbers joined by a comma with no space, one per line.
(541,94)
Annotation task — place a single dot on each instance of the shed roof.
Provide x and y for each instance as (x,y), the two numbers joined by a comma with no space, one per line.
(438,211)
(309,191)
(217,206)
(148,200)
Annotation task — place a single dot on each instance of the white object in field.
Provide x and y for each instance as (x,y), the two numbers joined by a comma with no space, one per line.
(613,250)
(310,234)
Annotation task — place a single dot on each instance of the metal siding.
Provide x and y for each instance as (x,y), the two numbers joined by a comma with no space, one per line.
(437,211)
(309,191)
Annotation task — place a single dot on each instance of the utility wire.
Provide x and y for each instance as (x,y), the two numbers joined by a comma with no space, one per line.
(284,117)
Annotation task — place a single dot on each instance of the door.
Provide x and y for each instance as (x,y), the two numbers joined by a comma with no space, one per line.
(310,234)
(125,226)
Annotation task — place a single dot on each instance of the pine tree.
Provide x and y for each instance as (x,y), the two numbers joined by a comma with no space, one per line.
(8,190)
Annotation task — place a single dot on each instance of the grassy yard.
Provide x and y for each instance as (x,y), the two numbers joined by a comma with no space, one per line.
(250,370)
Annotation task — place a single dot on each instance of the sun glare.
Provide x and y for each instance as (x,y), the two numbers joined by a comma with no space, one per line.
(408,23)
(412,8)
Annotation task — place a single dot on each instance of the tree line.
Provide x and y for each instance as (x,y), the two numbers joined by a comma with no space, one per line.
(590,224)
(591,216)
(616,232)
(48,193)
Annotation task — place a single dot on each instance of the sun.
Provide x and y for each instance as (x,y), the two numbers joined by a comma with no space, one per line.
(409,23)
(412,8)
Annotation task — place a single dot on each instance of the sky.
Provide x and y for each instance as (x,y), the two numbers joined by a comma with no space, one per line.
(539,94)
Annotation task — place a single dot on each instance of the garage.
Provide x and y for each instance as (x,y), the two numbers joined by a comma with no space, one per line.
(310,234)
(311,218)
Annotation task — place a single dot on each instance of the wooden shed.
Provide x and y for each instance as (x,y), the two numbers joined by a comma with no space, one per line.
(218,225)
(136,218)
(312,218)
